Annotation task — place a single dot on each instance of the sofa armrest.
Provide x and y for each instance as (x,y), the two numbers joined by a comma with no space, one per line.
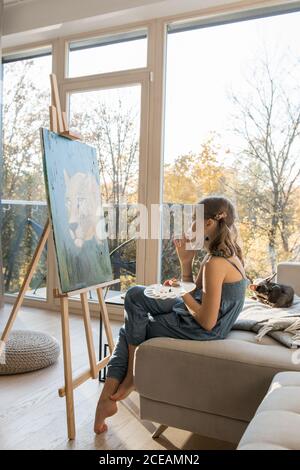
(276,423)
(289,273)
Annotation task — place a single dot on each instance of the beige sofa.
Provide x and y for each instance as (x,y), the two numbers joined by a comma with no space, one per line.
(211,388)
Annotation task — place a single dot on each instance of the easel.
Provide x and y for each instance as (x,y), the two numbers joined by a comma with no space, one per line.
(58,123)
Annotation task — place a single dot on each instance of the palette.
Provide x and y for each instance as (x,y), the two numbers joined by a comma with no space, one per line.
(160,292)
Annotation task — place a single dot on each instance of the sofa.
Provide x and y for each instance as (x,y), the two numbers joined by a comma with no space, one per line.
(276,423)
(212,388)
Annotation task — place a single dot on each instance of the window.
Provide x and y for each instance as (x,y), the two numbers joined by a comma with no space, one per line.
(108,54)
(26,99)
(232,127)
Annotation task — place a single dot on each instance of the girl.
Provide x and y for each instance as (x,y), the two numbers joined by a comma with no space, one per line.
(207,313)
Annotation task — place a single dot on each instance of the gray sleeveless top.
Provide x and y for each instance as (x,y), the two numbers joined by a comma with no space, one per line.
(232,302)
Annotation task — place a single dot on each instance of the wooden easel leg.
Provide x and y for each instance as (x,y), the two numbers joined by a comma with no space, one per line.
(31,269)
(161,428)
(95,367)
(89,334)
(104,313)
(67,366)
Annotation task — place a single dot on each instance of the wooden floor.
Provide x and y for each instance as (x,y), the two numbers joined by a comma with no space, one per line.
(32,416)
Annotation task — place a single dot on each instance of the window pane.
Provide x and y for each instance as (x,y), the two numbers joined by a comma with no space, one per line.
(108,54)
(232,128)
(26,97)
(110,121)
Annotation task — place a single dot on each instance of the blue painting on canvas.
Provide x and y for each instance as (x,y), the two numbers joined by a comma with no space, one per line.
(74,201)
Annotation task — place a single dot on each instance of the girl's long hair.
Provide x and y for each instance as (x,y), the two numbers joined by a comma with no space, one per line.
(225,243)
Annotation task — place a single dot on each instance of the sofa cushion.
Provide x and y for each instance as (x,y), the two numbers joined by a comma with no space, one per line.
(276,424)
(226,377)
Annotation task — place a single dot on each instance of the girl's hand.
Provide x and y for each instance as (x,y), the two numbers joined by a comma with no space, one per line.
(185,256)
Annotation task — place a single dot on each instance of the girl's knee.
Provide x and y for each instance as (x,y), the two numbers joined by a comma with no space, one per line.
(134,293)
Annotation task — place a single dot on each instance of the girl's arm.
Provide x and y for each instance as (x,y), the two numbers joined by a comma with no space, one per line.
(206,313)
(186,271)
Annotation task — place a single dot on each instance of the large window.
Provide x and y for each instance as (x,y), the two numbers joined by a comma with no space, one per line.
(233,128)
(26,96)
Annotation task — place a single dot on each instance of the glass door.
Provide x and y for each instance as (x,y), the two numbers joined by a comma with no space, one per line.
(113,119)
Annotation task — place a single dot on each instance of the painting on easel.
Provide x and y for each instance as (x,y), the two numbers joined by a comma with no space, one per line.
(73,192)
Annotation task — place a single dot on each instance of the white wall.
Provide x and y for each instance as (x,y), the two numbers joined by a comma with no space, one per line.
(26,16)
(34,20)
(28,21)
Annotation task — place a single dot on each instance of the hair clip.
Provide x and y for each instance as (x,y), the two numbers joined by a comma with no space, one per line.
(220,216)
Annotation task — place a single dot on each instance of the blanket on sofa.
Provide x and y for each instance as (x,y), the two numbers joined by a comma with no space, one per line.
(282,324)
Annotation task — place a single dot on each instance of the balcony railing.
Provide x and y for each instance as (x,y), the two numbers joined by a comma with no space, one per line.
(23,223)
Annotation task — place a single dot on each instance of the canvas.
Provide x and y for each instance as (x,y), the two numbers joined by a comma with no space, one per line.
(73,194)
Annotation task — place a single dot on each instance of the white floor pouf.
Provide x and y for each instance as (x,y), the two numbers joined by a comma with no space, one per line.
(27,351)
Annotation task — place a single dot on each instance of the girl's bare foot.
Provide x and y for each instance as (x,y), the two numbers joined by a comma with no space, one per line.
(124,389)
(105,408)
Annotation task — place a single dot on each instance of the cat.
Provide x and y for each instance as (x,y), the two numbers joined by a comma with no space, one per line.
(272,293)
(83,205)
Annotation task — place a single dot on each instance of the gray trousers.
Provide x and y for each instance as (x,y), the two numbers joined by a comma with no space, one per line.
(147,318)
